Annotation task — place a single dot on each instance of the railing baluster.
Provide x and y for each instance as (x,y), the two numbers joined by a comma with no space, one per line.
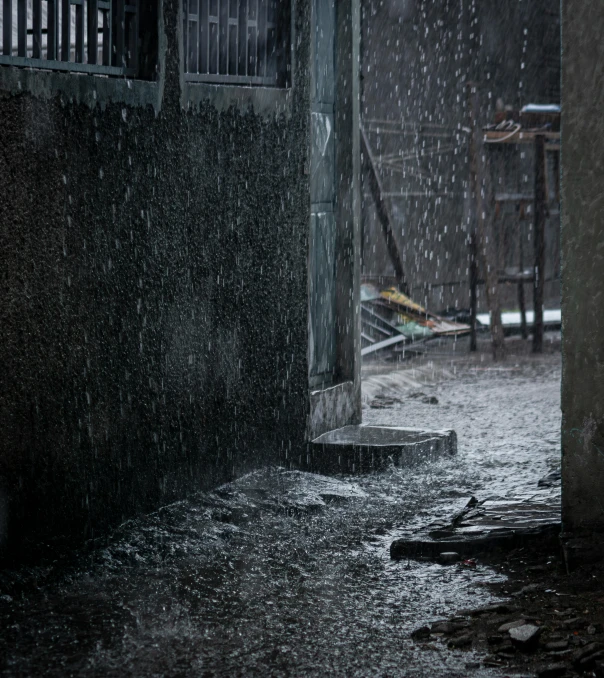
(7,27)
(107,37)
(213,37)
(261,38)
(21,28)
(52,29)
(242,21)
(194,36)
(79,31)
(37,29)
(185,33)
(202,36)
(265,69)
(252,48)
(65,29)
(223,33)
(93,31)
(207,43)
(119,29)
(218,36)
(208,35)
(233,36)
(271,41)
(131,39)
(191,43)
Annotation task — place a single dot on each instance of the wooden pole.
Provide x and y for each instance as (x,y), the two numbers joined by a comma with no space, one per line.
(471,220)
(539,228)
(375,185)
(481,185)
(521,299)
(473,290)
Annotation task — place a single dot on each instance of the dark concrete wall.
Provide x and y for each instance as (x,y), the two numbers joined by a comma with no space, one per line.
(583,268)
(153,311)
(417,56)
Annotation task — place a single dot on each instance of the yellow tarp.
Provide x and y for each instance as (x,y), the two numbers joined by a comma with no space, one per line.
(396,297)
(415,313)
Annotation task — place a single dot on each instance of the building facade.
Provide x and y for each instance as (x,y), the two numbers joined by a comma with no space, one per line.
(159,222)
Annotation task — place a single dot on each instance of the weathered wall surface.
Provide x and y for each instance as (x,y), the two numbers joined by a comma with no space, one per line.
(418,56)
(582,268)
(153,315)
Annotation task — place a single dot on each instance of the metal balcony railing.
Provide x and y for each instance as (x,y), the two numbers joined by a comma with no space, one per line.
(89,36)
(240,42)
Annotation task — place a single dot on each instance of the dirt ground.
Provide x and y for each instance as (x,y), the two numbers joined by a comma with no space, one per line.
(284,573)
(567,609)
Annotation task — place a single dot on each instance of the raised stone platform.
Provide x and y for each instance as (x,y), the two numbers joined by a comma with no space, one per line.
(362,449)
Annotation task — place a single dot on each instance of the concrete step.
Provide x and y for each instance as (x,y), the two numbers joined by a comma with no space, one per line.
(362,449)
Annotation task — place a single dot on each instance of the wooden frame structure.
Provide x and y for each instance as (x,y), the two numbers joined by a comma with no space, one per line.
(537,138)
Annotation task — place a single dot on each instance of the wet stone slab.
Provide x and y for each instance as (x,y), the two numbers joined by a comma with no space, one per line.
(363,449)
(486,526)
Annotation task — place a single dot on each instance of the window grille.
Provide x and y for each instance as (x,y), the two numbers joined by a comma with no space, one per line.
(240,42)
(90,36)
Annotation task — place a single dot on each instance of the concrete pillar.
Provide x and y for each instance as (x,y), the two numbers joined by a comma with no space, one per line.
(583,276)
(340,404)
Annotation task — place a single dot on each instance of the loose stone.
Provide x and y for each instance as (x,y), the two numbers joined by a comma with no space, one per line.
(449,558)
(531,588)
(488,609)
(525,636)
(511,625)
(506,650)
(589,662)
(575,623)
(588,651)
(421,633)
(462,641)
(551,670)
(443,627)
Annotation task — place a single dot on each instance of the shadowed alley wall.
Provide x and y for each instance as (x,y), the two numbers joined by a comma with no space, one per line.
(154,288)
(583,269)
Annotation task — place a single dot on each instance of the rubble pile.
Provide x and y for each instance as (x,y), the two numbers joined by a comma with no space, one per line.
(550,627)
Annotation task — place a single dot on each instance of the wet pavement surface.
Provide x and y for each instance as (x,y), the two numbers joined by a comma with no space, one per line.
(288,574)
(508,429)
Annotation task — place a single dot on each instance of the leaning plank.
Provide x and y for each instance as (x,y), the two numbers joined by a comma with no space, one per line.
(377,193)
(383,344)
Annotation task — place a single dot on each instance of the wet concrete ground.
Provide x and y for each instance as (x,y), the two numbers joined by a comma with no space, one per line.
(283,574)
